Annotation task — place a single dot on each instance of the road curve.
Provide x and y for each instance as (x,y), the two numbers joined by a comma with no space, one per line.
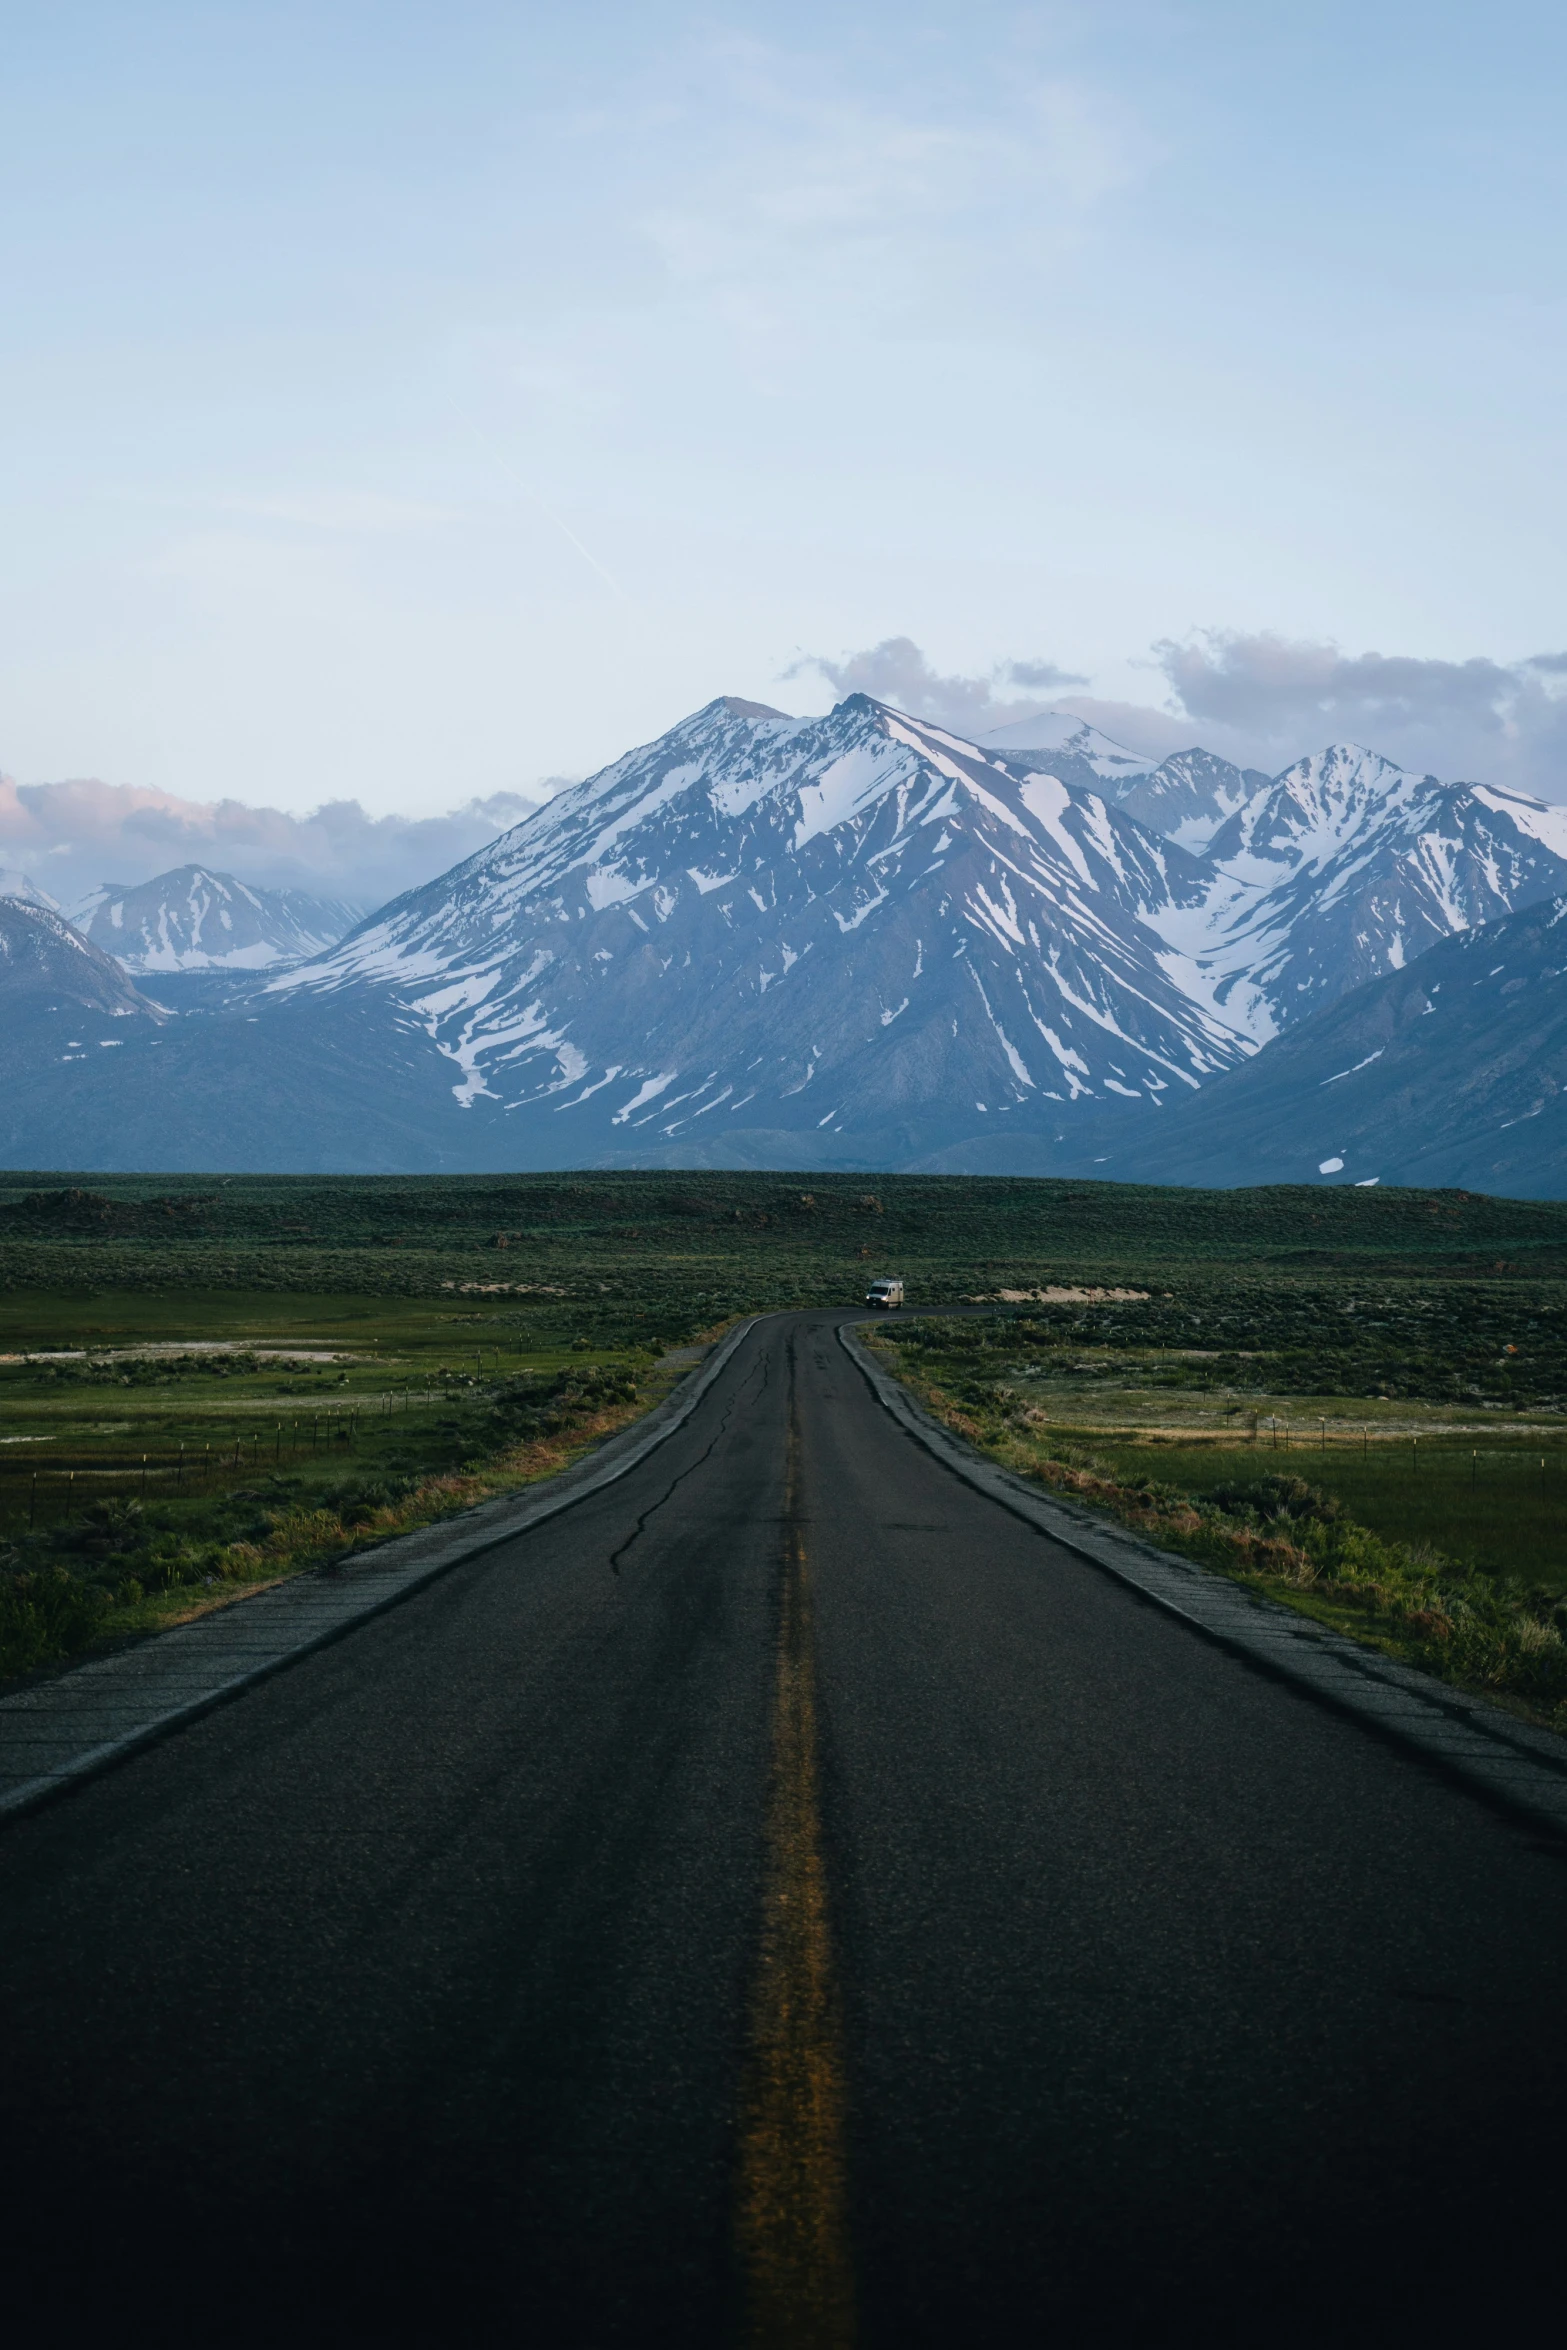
(783,1900)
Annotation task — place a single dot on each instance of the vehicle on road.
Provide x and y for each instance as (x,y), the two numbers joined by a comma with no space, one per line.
(888,1293)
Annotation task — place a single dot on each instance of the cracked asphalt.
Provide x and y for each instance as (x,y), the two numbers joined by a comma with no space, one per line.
(409,1998)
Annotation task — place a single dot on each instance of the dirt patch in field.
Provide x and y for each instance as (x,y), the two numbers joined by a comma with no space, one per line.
(1063,1297)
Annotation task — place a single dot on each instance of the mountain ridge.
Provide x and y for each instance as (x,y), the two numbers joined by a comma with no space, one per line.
(194,918)
(747,843)
(1450,1071)
(856,938)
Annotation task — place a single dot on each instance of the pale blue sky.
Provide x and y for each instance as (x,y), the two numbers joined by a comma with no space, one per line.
(411,401)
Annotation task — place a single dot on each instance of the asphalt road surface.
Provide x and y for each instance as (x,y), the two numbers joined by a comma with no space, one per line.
(783,1900)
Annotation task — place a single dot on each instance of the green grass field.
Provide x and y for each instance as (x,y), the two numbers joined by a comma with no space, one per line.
(313,1386)
(395,1342)
(648,1247)
(1416,1411)
(1494,1506)
(164,1449)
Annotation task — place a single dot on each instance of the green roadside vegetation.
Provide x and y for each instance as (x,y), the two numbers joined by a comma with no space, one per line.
(1346,1476)
(140,1487)
(396,1348)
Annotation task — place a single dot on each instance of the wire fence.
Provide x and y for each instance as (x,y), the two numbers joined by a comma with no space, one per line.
(1435,1453)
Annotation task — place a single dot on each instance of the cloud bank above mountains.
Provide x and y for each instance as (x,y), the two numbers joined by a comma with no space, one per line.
(70,837)
(1263,700)
(896,671)
(1490,721)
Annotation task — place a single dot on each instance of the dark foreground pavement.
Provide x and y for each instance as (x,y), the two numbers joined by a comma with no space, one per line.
(783,1900)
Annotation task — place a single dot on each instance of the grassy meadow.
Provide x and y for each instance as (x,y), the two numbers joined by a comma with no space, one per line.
(208,1383)
(1494,1502)
(182,1398)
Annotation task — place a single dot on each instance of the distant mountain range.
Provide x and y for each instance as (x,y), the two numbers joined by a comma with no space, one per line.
(64,1008)
(851,926)
(196,920)
(1453,1071)
(17,885)
(70,836)
(1346,866)
(852,940)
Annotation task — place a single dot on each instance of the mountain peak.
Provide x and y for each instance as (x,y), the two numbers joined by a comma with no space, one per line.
(48,963)
(24,890)
(195,919)
(1346,866)
(1064,730)
(1313,807)
(740,708)
(1191,795)
(1343,766)
(828,923)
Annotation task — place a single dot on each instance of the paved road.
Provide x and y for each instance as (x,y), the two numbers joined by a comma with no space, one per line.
(783,1900)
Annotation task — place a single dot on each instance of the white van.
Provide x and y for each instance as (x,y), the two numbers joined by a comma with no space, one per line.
(888,1293)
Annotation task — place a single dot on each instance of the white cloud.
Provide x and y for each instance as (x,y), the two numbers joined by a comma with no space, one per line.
(1263,700)
(69,837)
(1477,719)
(896,671)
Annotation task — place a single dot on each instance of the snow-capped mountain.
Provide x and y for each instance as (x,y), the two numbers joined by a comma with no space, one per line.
(1190,795)
(1066,745)
(68,1016)
(1187,796)
(1340,868)
(853,924)
(1450,1072)
(25,891)
(853,939)
(1348,866)
(45,962)
(196,920)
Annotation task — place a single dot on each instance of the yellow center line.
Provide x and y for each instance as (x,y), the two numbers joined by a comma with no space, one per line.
(791,2223)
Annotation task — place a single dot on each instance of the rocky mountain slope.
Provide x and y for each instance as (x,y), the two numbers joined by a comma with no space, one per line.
(1190,796)
(854,926)
(18,885)
(853,939)
(1453,1071)
(67,1014)
(47,967)
(1348,866)
(1187,796)
(95,1073)
(193,919)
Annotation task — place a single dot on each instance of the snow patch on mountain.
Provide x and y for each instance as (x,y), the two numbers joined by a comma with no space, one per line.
(742,902)
(1348,866)
(196,920)
(1063,732)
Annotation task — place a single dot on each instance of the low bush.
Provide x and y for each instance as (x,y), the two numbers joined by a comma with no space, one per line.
(47,1615)
(63,1586)
(1283,1537)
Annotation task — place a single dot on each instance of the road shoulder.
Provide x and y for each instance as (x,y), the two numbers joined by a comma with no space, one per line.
(61,1732)
(1522,1769)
